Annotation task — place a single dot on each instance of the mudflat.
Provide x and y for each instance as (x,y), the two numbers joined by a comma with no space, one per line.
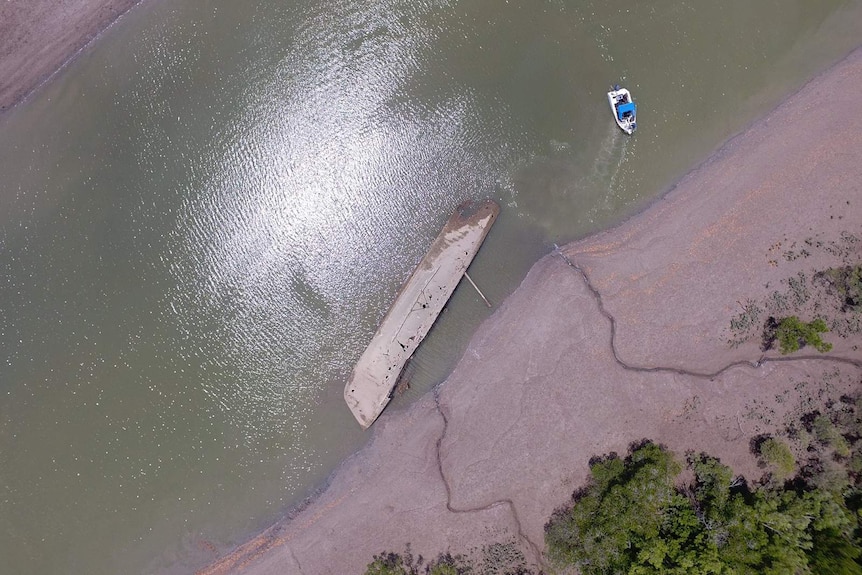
(37,37)
(652,329)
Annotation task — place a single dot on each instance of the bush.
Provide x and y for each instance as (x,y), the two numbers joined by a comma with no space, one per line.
(847,283)
(496,559)
(827,434)
(389,564)
(793,334)
(777,455)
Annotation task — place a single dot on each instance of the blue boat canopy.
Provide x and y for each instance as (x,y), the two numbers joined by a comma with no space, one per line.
(627,107)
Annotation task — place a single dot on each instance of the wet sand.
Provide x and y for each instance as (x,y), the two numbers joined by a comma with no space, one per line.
(38,37)
(617,337)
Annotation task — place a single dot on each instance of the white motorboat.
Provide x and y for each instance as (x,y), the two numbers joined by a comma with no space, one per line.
(624,109)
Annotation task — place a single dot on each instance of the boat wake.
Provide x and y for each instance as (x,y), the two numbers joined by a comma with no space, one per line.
(608,162)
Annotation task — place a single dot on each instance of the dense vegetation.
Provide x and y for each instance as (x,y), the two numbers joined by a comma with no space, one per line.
(634,518)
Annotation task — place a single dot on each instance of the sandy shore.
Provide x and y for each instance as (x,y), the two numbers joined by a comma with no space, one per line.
(38,37)
(621,336)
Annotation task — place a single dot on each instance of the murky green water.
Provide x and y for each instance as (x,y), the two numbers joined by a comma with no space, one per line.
(203,218)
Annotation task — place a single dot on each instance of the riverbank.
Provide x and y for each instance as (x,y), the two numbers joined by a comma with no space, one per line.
(39,37)
(617,337)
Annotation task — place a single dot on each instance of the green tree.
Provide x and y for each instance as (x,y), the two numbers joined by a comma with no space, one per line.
(835,554)
(793,333)
(631,519)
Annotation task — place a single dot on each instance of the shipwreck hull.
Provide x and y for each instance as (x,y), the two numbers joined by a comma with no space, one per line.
(419,302)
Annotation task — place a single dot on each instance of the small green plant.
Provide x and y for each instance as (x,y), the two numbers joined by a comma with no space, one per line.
(793,334)
(778,456)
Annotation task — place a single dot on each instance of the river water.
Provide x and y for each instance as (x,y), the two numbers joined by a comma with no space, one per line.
(203,218)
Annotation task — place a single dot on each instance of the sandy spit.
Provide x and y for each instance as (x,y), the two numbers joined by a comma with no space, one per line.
(38,37)
(617,337)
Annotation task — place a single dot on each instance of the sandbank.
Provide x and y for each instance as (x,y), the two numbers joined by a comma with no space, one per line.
(621,336)
(38,37)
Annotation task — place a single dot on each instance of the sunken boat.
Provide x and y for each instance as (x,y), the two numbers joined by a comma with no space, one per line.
(419,302)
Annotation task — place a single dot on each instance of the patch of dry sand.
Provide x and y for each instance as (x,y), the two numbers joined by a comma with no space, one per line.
(615,338)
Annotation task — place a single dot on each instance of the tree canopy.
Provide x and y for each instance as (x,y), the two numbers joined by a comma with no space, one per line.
(633,517)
